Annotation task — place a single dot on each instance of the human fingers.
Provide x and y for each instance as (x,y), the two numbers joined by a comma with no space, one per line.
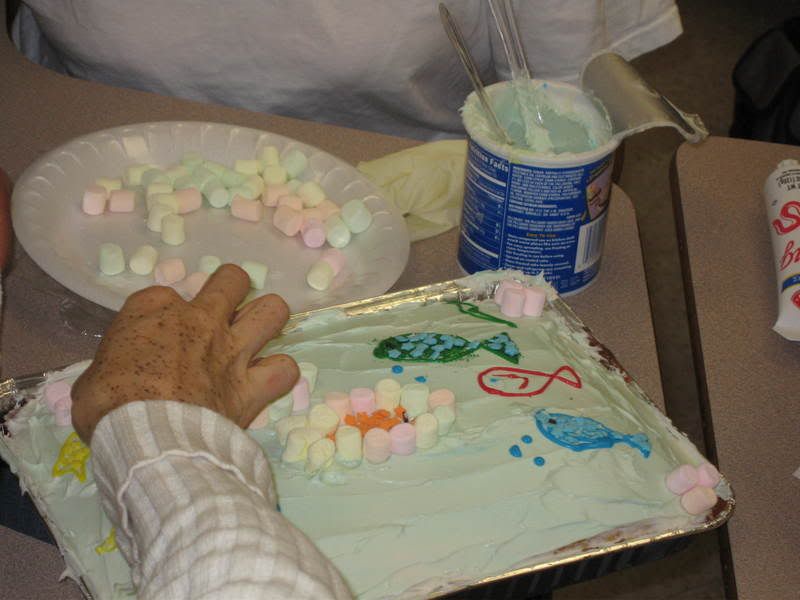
(259,321)
(223,292)
(269,378)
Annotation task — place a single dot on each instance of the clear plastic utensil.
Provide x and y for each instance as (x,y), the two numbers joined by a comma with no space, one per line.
(454,33)
(503,13)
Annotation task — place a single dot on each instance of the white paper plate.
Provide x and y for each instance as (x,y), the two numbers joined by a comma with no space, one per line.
(49,222)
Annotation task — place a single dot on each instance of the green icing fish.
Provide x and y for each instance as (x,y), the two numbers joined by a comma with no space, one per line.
(440,347)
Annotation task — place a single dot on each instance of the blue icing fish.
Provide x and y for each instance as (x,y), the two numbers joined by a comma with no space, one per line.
(440,347)
(583,433)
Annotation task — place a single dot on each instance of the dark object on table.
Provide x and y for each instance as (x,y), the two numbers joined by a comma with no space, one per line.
(767,83)
(17,511)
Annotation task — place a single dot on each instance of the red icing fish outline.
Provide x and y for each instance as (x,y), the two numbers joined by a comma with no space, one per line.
(525,376)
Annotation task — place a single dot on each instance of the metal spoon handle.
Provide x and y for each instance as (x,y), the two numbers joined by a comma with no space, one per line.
(454,33)
(503,13)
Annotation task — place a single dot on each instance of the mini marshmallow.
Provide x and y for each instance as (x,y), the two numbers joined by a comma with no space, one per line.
(243,191)
(94,200)
(271,193)
(356,216)
(441,397)
(320,455)
(313,233)
(189,200)
(143,260)
(309,371)
(153,176)
(377,445)
(169,271)
(414,398)
(320,276)
(187,181)
(311,193)
(339,402)
(191,286)
(63,413)
(203,177)
(217,195)
(285,425)
(122,201)
(255,184)
(191,160)
(216,168)
(173,231)
(512,303)
(287,220)
(446,416)
(274,174)
(404,439)
(707,475)
(209,263)
(112,260)
(682,479)
(248,166)
(109,183)
(166,199)
(257,272)
(335,258)
(427,428)
(300,395)
(158,187)
(133,174)
(53,392)
(387,394)
(535,298)
(348,445)
(233,179)
(313,213)
(297,444)
(247,210)
(506,284)
(176,172)
(294,162)
(336,232)
(292,201)
(324,418)
(698,500)
(293,185)
(328,209)
(261,420)
(269,157)
(281,408)
(362,400)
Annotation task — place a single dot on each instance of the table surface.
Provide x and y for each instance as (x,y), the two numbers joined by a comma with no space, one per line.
(747,372)
(46,325)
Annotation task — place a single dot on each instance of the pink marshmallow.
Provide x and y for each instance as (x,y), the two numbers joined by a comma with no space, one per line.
(292,201)
(313,233)
(535,297)
(339,402)
(362,400)
(122,201)
(189,287)
(506,284)
(377,445)
(169,271)
(512,302)
(63,418)
(274,191)
(64,404)
(698,500)
(287,220)
(53,392)
(300,395)
(94,200)
(335,258)
(682,479)
(189,200)
(707,475)
(441,397)
(328,208)
(403,439)
(247,210)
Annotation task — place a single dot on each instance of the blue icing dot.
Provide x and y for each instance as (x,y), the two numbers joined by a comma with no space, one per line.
(527,439)
(515,451)
(538,461)
(493,379)
(438,347)
(430,340)
(458,342)
(421,379)
(397,369)
(393,354)
(511,350)
(401,338)
(447,344)
(473,345)
(407,346)
(495,346)
(435,355)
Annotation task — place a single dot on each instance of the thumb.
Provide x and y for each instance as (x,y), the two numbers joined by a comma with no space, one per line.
(269,378)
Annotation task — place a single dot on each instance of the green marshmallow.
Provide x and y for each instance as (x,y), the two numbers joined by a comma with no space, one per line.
(217,195)
(231,178)
(191,160)
(336,232)
(184,182)
(112,260)
(257,272)
(217,168)
(356,216)
(209,263)
(295,162)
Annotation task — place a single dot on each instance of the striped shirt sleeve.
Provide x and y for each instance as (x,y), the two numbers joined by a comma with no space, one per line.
(194,504)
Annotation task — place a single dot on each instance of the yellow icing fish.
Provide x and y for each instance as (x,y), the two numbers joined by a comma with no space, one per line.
(109,544)
(72,458)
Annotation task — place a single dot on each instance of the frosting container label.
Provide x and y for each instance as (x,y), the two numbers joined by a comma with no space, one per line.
(782,196)
(534,218)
